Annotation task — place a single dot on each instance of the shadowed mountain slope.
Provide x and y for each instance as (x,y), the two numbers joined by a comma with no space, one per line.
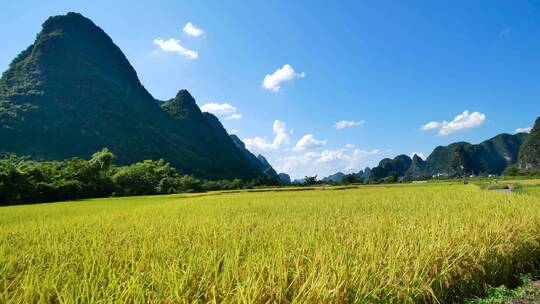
(529,155)
(73,92)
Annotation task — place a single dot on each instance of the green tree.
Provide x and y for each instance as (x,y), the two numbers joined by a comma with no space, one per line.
(512,171)
(352,179)
(310,180)
(392,177)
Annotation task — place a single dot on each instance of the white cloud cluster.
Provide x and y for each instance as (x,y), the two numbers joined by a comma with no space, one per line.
(234,117)
(192,30)
(327,161)
(523,130)
(272,82)
(281,137)
(173,45)
(348,123)
(308,141)
(218,108)
(465,120)
(222,109)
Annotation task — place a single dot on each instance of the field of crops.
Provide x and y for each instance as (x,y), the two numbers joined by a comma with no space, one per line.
(530,189)
(400,244)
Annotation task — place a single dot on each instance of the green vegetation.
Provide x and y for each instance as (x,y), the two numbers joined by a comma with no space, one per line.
(517,188)
(529,156)
(498,186)
(26,181)
(492,156)
(352,179)
(489,157)
(311,180)
(528,292)
(374,244)
(391,167)
(531,188)
(340,178)
(73,92)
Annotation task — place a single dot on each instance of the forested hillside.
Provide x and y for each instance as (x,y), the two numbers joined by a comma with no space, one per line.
(73,92)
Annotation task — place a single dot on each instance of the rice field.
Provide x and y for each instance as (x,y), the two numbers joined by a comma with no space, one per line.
(431,243)
(531,189)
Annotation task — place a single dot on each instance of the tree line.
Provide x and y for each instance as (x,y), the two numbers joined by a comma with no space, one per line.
(23,180)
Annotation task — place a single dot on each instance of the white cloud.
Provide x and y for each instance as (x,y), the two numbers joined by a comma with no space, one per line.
(431,125)
(328,162)
(348,123)
(349,146)
(234,117)
(192,30)
(422,155)
(258,144)
(308,142)
(280,130)
(222,109)
(272,82)
(465,120)
(523,130)
(281,137)
(173,45)
(218,108)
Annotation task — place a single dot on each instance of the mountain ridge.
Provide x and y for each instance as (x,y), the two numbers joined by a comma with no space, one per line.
(491,156)
(73,92)
(529,155)
(259,161)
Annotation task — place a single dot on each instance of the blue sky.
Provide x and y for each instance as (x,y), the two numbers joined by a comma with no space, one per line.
(387,67)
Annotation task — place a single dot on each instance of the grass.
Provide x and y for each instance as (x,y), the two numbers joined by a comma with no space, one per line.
(527,292)
(492,186)
(533,191)
(374,244)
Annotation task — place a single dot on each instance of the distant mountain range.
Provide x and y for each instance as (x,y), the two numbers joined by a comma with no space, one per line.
(492,156)
(284,178)
(73,92)
(336,178)
(340,176)
(400,164)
